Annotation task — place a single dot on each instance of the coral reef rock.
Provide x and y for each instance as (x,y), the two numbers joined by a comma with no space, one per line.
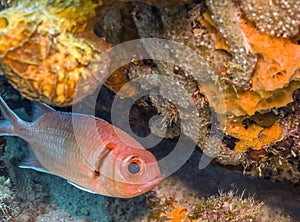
(48,50)
(241,78)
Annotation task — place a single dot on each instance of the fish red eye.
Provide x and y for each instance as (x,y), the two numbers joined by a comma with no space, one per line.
(134,168)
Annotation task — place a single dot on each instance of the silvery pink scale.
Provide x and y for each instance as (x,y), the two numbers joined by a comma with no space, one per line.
(101,159)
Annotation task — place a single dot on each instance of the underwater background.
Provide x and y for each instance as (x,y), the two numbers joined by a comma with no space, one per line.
(253,173)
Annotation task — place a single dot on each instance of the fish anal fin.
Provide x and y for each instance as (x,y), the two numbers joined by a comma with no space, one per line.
(40,109)
(31,162)
(81,188)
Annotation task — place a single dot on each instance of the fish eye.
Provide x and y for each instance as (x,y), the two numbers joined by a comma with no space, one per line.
(134,168)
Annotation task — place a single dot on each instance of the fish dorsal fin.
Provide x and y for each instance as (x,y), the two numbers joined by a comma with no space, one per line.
(40,109)
(31,162)
(80,187)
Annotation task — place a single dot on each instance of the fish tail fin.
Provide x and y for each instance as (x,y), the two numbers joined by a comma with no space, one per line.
(11,121)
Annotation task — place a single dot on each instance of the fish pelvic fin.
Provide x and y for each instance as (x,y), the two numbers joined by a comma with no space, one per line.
(31,162)
(81,188)
(11,123)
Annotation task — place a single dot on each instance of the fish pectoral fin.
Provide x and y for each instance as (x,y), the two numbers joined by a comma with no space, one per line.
(40,109)
(80,187)
(31,162)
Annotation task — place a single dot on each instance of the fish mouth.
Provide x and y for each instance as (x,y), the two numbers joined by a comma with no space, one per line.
(149,185)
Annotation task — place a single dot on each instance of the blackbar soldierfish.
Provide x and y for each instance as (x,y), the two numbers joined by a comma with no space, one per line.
(95,161)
